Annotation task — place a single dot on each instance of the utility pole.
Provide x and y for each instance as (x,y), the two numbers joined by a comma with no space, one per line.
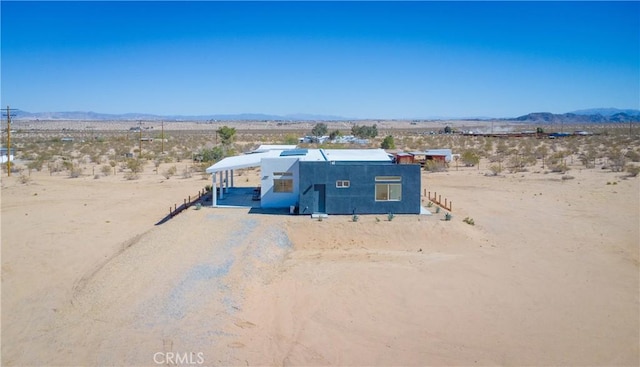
(140,139)
(162,135)
(8,142)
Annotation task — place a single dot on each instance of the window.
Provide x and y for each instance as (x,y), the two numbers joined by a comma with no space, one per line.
(343,184)
(282,185)
(388,191)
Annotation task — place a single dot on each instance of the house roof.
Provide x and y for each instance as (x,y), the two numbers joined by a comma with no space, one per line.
(344,155)
(267,147)
(438,152)
(359,155)
(242,161)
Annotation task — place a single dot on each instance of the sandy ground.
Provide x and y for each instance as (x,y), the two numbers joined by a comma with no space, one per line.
(548,275)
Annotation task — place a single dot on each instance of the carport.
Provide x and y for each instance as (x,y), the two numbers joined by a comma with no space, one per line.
(222,172)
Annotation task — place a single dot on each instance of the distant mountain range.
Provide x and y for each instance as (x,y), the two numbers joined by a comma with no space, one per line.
(95,116)
(590,116)
(595,115)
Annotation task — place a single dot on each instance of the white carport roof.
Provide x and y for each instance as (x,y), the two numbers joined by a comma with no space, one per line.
(242,161)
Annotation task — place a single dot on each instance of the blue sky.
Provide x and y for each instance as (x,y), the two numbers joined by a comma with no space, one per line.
(354,59)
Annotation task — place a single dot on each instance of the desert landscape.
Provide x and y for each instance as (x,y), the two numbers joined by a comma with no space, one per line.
(538,264)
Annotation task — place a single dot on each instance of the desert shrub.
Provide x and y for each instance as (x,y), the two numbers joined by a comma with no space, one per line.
(470,158)
(211,155)
(435,166)
(388,143)
(75,171)
(131,176)
(187,172)
(23,179)
(616,161)
(363,132)
(35,165)
(632,170)
(633,155)
(390,216)
(588,158)
(106,170)
(495,169)
(54,167)
(290,139)
(170,172)
(469,221)
(135,165)
(559,167)
(516,163)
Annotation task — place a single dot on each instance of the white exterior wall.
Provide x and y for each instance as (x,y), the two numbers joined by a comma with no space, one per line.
(272,199)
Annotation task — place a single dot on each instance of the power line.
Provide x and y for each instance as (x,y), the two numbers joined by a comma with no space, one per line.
(8,114)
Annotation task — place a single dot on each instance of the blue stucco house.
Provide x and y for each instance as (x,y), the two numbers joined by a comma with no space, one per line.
(329,181)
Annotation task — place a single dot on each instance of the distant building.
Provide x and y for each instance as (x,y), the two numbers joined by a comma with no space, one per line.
(3,155)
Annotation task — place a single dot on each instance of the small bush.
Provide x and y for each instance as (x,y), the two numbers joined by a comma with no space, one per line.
(469,221)
(495,169)
(390,216)
(354,218)
(170,172)
(106,170)
(632,170)
(24,179)
(135,165)
(559,168)
(186,173)
(131,176)
(435,166)
(75,172)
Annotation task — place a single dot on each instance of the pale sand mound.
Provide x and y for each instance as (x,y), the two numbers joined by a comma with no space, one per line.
(547,276)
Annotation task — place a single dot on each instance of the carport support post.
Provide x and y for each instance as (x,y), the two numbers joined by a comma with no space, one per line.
(232,178)
(221,186)
(226,181)
(214,191)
